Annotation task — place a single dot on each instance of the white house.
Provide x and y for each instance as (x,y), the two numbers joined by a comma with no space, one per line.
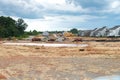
(115,31)
(46,33)
(99,32)
(92,34)
(84,33)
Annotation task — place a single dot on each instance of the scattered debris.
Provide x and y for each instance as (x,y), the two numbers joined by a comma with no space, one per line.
(36,39)
(60,39)
(51,40)
(77,40)
(68,34)
(82,49)
(37,48)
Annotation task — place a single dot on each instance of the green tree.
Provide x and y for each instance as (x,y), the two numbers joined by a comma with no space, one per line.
(21,26)
(7,27)
(35,32)
(74,31)
(10,28)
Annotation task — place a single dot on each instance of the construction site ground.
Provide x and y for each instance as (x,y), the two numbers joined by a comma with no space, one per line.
(59,63)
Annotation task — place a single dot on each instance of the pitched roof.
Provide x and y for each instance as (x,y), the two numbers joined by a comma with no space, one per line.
(100,29)
(115,27)
(95,29)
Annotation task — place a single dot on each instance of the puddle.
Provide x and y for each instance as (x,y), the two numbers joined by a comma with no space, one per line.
(47,45)
(113,77)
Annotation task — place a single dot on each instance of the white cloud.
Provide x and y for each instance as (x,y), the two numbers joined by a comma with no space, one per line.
(112,6)
(19,8)
(59,5)
(71,18)
(115,4)
(39,7)
(39,25)
(54,14)
(50,21)
(57,22)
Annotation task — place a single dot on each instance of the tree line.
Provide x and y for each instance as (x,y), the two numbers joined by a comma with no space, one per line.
(11,28)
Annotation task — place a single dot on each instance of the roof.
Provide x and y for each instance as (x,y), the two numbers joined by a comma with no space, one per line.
(115,27)
(95,29)
(100,29)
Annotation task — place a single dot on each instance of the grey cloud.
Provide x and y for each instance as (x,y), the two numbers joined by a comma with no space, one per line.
(20,8)
(31,9)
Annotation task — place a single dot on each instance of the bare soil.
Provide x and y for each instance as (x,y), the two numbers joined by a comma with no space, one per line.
(59,63)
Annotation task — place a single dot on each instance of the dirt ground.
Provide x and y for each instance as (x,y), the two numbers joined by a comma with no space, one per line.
(59,63)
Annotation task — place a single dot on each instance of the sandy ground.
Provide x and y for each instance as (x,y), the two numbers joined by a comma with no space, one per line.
(60,63)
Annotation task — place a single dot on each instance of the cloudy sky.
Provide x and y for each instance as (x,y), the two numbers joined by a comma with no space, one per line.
(44,15)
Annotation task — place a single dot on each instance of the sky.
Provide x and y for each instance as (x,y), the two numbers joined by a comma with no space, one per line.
(58,15)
